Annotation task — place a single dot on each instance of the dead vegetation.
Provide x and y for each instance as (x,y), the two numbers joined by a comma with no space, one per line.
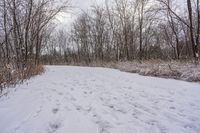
(25,26)
(171,69)
(182,70)
(10,76)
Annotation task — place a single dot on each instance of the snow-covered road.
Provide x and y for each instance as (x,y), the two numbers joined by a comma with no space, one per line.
(97,100)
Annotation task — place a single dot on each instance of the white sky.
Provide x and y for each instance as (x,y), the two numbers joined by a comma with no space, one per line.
(78,5)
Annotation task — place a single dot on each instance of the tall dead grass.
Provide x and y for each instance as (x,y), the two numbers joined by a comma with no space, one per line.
(10,76)
(175,69)
(182,70)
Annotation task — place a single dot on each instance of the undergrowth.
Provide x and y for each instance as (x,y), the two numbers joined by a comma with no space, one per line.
(11,77)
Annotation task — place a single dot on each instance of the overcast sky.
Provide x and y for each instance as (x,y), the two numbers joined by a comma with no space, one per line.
(79,5)
(84,4)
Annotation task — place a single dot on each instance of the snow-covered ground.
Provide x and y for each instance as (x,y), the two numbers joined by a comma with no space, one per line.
(97,100)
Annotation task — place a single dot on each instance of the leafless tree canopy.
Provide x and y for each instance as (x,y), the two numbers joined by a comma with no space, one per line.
(123,30)
(24,27)
(128,30)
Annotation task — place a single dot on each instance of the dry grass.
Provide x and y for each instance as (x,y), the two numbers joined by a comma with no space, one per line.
(11,77)
(182,70)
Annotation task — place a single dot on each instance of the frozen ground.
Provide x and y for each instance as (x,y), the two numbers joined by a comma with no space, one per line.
(98,100)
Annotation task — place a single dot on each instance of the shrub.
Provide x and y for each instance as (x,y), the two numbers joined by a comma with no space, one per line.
(10,76)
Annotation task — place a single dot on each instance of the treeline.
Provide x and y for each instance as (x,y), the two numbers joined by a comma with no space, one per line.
(24,28)
(128,30)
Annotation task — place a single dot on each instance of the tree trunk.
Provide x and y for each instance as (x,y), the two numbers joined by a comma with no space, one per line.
(194,45)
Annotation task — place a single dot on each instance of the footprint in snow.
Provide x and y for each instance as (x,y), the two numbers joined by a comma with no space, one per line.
(172,108)
(53,126)
(152,122)
(78,108)
(58,104)
(55,110)
(189,126)
(171,100)
(60,93)
(155,123)
(104,126)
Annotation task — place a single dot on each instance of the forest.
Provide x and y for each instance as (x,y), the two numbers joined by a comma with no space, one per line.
(99,66)
(24,29)
(129,30)
(113,31)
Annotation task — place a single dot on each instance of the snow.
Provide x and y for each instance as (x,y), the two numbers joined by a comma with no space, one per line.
(70,99)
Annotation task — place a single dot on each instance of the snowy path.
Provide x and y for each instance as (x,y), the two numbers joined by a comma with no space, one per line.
(97,100)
